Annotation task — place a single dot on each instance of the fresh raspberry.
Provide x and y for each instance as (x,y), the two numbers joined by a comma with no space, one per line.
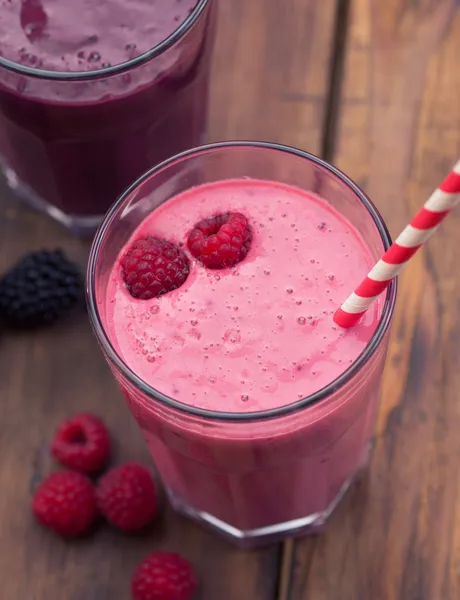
(164,576)
(221,241)
(82,443)
(127,496)
(66,503)
(153,267)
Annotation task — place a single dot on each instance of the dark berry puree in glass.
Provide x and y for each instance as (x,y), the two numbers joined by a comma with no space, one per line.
(78,144)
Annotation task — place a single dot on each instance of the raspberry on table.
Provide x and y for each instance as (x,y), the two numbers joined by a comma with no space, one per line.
(152,267)
(82,443)
(39,289)
(127,496)
(164,576)
(221,241)
(65,502)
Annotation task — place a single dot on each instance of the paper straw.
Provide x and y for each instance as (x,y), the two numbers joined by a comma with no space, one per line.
(422,227)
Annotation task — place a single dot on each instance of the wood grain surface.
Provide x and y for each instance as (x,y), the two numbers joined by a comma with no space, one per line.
(375,86)
(270,81)
(397,535)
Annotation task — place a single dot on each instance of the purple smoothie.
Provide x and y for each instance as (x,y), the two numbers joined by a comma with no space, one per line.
(89,122)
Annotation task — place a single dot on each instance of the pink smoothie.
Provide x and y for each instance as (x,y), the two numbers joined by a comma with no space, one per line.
(260,335)
(251,338)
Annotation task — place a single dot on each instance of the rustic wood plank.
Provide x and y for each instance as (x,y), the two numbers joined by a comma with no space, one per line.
(270,81)
(276,83)
(396,536)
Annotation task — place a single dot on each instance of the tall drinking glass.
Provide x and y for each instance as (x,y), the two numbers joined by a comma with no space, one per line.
(252,476)
(71,142)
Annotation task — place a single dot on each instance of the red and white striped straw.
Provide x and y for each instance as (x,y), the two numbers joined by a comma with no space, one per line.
(422,226)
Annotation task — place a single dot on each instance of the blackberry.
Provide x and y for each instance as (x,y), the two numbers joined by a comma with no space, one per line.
(38,289)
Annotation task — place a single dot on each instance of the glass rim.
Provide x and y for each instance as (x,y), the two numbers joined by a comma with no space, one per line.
(145,57)
(212,415)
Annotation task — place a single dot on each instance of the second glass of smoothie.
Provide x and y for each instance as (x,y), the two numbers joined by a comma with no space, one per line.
(93,93)
(212,285)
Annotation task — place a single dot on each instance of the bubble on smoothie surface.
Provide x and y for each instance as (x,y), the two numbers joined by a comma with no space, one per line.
(57,33)
(261,335)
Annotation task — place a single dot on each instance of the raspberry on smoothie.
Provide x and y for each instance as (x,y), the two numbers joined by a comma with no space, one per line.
(221,241)
(152,267)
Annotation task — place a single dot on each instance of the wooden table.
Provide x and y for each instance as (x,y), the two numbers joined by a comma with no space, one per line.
(375,88)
